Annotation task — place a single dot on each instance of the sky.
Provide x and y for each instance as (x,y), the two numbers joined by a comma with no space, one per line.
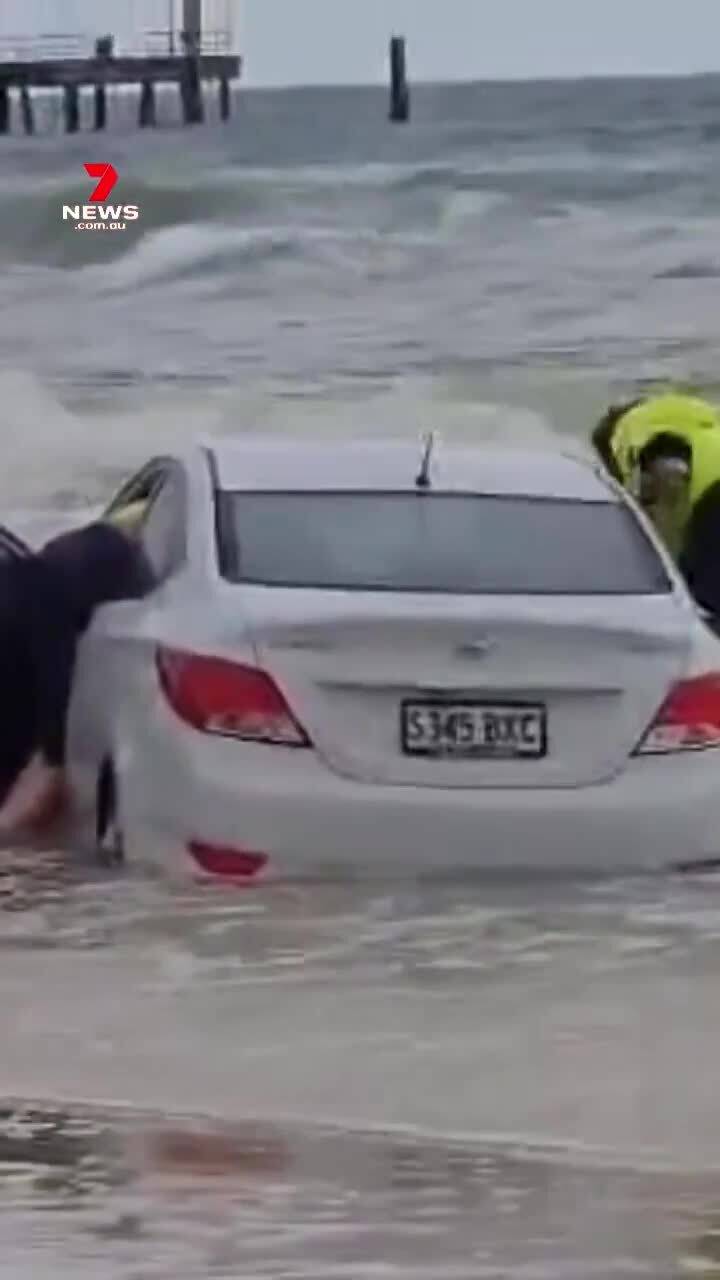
(345,41)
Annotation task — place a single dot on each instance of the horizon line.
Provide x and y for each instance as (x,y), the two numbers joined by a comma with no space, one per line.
(272,86)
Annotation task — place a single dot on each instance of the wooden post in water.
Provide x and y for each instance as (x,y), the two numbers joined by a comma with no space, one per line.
(100,107)
(225,100)
(71,104)
(190,83)
(4,110)
(26,111)
(399,91)
(104,53)
(147,116)
(191,90)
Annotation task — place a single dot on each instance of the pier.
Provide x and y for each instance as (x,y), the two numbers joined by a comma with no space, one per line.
(190,56)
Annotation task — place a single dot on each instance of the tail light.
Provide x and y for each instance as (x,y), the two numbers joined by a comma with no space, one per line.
(689,719)
(227,699)
(227,864)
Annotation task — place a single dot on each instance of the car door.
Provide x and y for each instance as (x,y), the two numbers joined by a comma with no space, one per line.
(111,672)
(143,485)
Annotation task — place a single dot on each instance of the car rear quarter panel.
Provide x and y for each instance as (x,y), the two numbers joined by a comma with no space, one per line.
(116,689)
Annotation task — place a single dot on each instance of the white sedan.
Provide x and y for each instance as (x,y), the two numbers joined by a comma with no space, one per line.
(340,668)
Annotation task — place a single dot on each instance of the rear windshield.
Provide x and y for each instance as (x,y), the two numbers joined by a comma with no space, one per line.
(439,543)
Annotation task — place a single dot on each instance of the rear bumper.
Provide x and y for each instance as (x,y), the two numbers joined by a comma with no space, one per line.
(287,805)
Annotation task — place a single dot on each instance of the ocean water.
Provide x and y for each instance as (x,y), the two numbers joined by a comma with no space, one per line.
(402,1080)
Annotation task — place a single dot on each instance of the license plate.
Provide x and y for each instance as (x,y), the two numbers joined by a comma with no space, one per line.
(473,730)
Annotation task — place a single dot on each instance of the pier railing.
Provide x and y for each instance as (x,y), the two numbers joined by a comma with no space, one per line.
(45,48)
(60,46)
(162,43)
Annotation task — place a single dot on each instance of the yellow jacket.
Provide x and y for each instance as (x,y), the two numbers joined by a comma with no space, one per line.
(696,422)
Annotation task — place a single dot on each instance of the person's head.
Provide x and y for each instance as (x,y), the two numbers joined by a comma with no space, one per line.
(662,471)
(602,435)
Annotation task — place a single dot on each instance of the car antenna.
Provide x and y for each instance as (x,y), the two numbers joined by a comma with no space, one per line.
(422,479)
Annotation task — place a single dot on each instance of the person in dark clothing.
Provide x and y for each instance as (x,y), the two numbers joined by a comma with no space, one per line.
(603,432)
(699,560)
(665,471)
(16,738)
(47,601)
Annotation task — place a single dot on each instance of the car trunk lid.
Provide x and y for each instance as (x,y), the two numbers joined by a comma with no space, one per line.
(547,692)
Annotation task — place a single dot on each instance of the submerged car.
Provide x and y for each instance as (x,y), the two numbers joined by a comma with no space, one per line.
(344,664)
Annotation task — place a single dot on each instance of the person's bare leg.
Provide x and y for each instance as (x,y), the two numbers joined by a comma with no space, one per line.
(37,800)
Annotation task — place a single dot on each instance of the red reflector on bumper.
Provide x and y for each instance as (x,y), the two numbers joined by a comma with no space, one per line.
(230,864)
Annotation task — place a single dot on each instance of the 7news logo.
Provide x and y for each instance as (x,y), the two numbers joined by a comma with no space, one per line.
(96,215)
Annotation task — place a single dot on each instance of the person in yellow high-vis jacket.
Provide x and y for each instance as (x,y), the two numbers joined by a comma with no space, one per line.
(665,450)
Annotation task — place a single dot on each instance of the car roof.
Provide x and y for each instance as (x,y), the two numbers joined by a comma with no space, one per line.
(294,464)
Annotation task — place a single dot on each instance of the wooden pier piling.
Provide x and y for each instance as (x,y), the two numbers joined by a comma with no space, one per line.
(26,111)
(147,115)
(191,92)
(4,109)
(399,90)
(100,113)
(71,107)
(225,99)
(104,53)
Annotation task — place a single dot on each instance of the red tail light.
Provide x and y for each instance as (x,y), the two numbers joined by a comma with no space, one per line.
(689,719)
(227,864)
(228,699)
